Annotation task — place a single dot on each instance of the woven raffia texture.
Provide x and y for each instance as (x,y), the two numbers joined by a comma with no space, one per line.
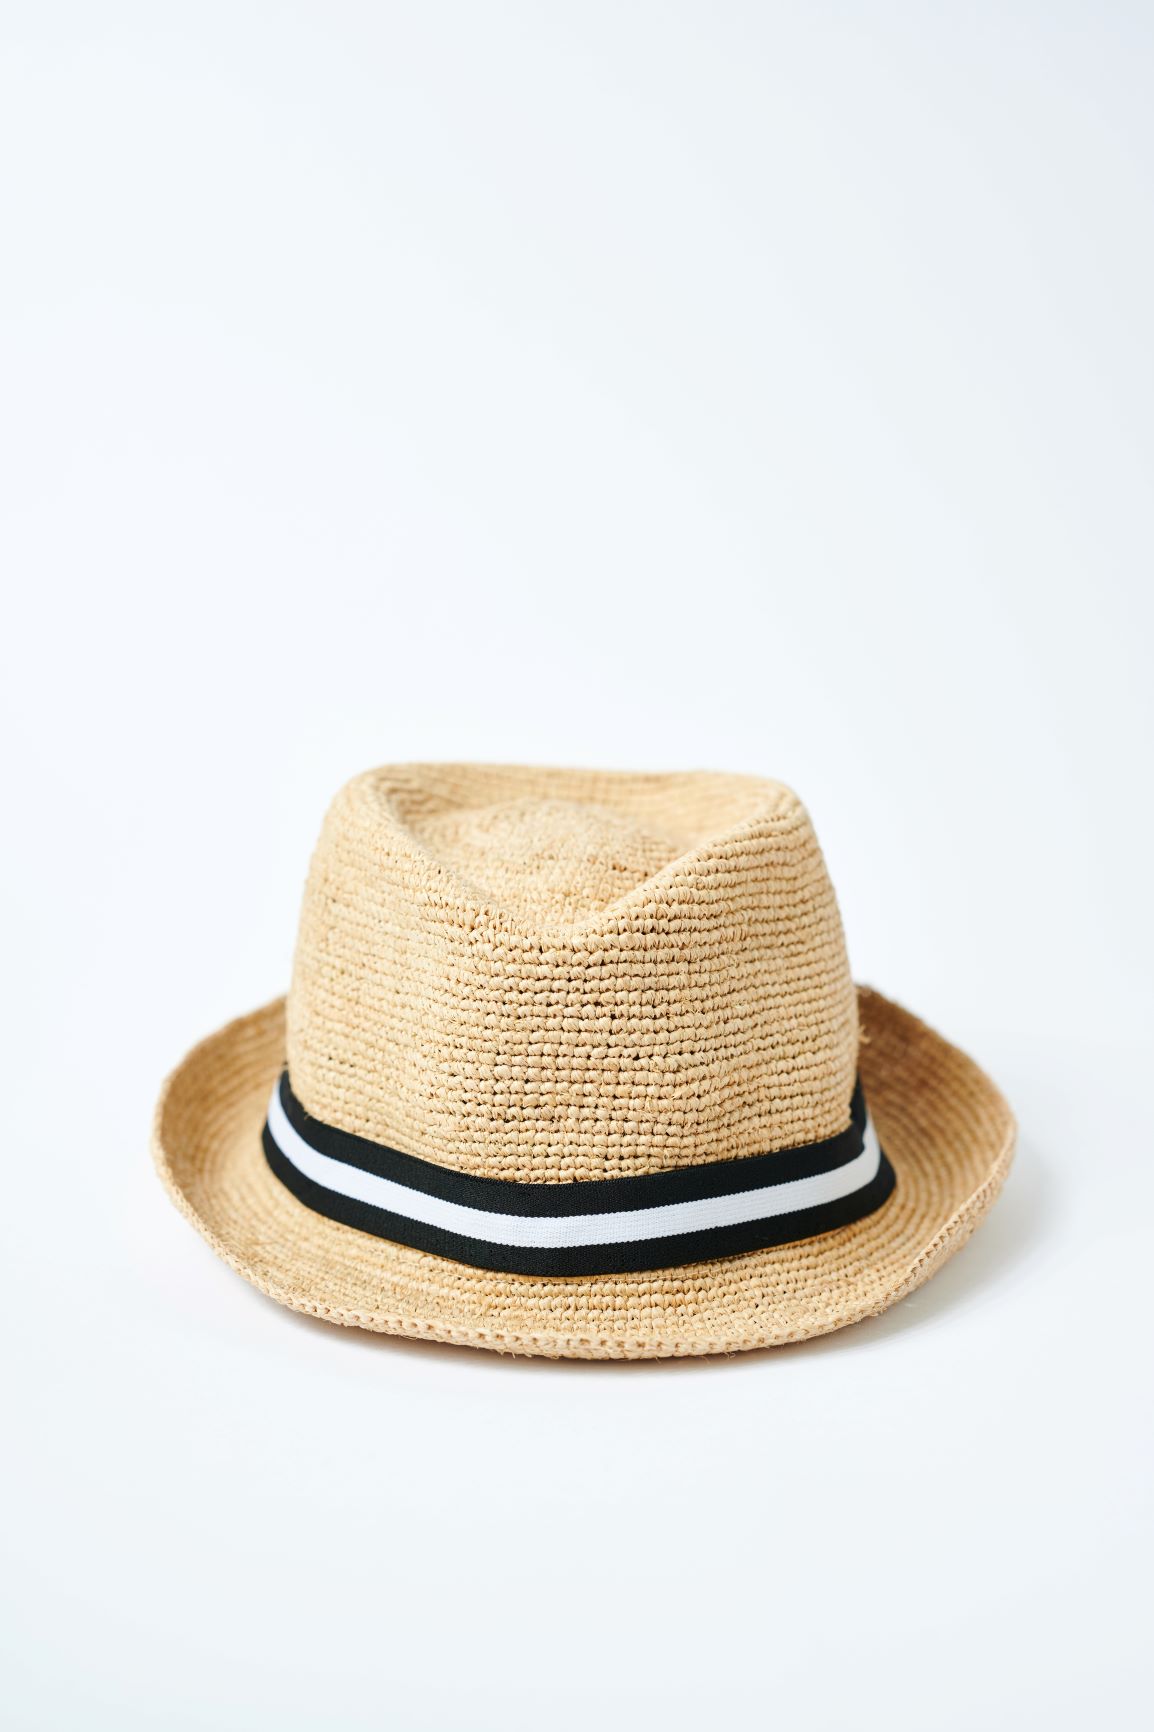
(553,975)
(946,1128)
(549,975)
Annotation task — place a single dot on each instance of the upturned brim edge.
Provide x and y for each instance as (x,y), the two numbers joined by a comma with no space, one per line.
(945,1126)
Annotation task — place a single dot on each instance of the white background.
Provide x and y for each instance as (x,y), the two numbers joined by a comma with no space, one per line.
(752,387)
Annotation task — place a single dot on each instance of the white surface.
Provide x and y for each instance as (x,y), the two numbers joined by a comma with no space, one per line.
(762,388)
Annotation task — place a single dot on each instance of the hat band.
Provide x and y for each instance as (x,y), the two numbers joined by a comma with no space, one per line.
(590,1227)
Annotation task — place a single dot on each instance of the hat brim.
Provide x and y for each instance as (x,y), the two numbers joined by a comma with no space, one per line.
(944,1125)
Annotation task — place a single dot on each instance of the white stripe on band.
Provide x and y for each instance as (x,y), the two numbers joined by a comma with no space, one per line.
(553,1232)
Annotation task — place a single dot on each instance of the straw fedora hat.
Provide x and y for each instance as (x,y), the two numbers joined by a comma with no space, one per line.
(572,1064)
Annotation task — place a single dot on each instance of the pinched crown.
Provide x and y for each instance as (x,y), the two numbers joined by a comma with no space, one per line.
(549,975)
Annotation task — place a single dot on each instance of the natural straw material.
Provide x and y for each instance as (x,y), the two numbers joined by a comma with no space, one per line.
(552,976)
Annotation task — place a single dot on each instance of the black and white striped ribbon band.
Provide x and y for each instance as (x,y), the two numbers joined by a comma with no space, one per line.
(591,1227)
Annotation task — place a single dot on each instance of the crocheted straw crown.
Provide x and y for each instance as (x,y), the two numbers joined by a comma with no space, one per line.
(555,975)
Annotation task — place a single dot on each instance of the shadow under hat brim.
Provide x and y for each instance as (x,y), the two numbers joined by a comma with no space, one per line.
(944,1125)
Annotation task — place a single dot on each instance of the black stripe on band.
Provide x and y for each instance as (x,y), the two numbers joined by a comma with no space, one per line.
(584,1196)
(593,1196)
(621,1259)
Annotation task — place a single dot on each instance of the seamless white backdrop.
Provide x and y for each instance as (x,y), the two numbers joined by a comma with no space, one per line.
(742,386)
